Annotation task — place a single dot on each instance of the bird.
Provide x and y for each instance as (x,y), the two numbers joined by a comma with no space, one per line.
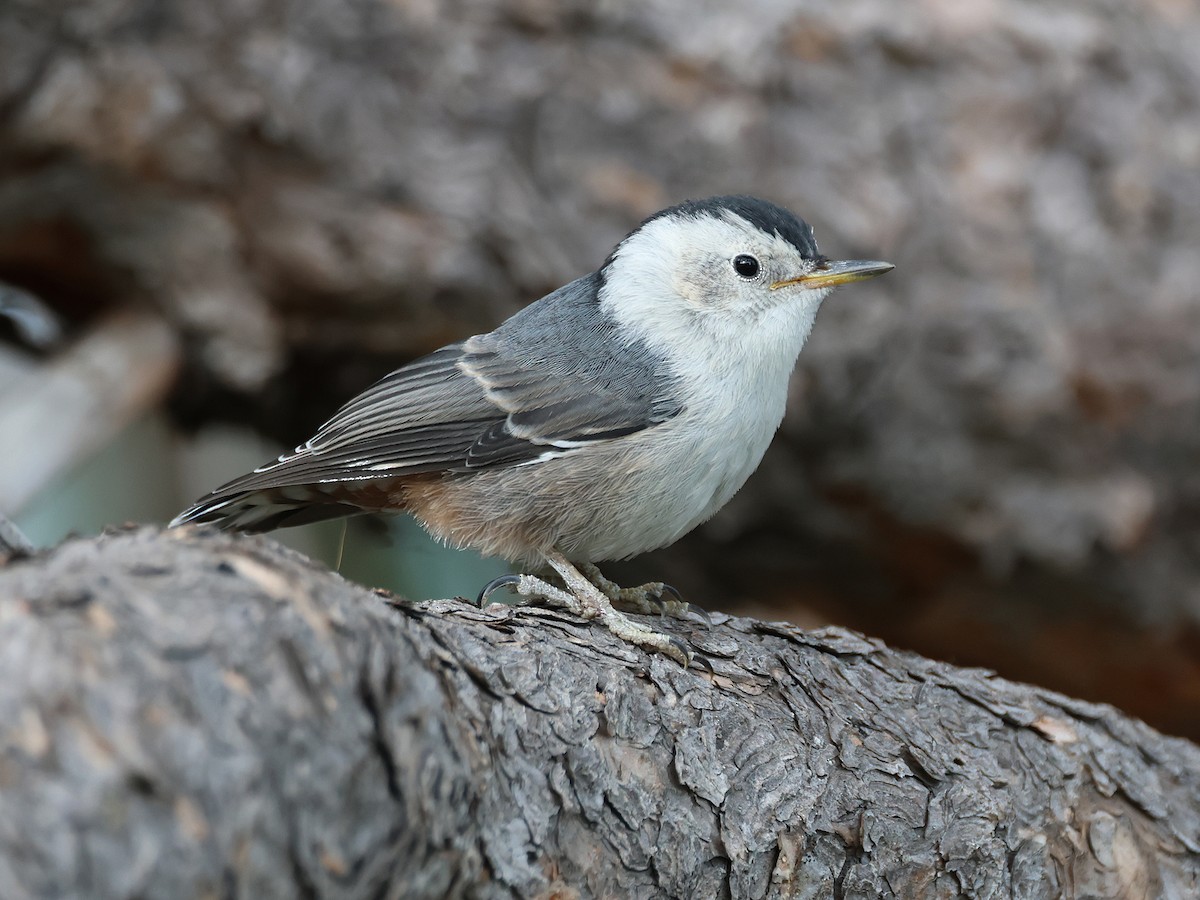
(604,420)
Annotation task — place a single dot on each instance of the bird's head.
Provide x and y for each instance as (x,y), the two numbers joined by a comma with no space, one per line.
(729,267)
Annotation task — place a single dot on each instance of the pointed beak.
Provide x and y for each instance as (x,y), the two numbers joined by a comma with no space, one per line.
(829,274)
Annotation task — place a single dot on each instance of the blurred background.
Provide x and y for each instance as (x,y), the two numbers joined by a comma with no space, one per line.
(220,220)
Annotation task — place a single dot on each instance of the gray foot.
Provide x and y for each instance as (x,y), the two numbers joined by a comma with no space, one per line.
(586,600)
(651,598)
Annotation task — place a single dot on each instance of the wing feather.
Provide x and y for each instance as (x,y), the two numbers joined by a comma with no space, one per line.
(486,402)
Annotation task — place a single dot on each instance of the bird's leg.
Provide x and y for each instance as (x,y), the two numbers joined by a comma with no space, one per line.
(653,597)
(595,605)
(587,601)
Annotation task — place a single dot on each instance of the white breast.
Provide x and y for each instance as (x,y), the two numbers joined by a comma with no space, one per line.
(729,420)
(728,351)
(734,389)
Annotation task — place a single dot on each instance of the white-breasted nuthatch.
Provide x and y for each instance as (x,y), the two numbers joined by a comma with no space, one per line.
(609,418)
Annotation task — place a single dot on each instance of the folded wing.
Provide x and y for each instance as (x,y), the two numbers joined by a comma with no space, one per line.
(498,399)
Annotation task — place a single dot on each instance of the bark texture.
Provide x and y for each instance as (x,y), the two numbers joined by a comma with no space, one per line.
(1001,433)
(195,714)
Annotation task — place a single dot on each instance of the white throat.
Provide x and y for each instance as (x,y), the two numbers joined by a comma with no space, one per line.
(732,380)
(745,355)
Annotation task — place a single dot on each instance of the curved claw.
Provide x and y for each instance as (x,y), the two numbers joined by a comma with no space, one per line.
(494,585)
(703,662)
(699,611)
(674,592)
(688,654)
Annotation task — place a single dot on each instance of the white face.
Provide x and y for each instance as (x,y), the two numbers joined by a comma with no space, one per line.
(715,264)
(705,284)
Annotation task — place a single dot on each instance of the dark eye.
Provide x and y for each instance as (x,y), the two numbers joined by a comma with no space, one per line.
(745,265)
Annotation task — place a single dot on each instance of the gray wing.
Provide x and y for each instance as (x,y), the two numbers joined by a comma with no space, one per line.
(554,378)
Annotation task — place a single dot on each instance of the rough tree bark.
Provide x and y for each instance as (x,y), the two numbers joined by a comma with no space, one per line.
(195,714)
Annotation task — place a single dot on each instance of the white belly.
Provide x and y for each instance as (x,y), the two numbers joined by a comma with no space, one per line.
(613,499)
(680,474)
(616,499)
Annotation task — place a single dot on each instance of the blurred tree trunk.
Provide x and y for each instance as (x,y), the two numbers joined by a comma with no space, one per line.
(990,454)
(196,714)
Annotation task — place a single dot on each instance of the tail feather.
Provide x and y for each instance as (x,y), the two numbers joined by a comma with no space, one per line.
(257,511)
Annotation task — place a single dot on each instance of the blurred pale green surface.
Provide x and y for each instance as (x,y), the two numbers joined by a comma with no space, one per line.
(148,474)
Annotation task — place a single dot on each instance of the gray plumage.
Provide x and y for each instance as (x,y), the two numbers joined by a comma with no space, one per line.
(554,377)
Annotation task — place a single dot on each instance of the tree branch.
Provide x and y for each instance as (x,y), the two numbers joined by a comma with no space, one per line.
(191,713)
(61,412)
